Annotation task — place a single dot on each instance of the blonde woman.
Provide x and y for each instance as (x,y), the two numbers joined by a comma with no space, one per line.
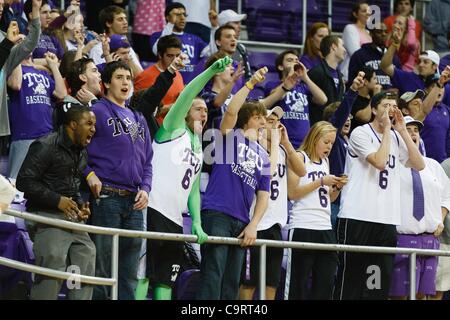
(310,217)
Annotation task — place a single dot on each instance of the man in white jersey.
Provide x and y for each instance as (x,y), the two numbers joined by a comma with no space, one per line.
(282,156)
(425,200)
(370,203)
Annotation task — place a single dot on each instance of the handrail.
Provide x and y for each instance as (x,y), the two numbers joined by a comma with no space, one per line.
(221,240)
(55,273)
(191,238)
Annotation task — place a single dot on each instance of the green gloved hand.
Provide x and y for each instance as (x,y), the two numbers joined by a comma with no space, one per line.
(198,231)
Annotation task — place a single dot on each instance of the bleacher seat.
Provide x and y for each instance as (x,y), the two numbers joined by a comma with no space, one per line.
(187,285)
(15,244)
(259,59)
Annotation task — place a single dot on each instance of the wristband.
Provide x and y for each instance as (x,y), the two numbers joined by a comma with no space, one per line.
(285,89)
(249,85)
(90,175)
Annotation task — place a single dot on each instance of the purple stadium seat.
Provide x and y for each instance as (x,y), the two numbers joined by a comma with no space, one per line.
(266,21)
(295,9)
(260,59)
(186,285)
(15,244)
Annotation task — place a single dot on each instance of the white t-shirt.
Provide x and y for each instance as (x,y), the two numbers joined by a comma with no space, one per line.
(370,194)
(436,192)
(313,210)
(197,11)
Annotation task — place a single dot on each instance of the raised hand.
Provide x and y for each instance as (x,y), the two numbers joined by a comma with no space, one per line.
(300,70)
(51,58)
(221,64)
(399,121)
(198,231)
(358,82)
(13,33)
(177,63)
(445,76)
(237,74)
(259,76)
(386,121)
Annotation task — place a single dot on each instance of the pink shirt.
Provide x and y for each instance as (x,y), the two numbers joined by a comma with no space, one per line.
(149,16)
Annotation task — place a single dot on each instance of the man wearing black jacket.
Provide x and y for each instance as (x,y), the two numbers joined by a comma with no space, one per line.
(327,76)
(50,178)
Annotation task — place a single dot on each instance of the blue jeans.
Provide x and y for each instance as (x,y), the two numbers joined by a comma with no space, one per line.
(114,211)
(17,153)
(221,265)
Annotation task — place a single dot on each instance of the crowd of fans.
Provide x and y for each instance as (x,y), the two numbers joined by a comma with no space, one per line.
(349,145)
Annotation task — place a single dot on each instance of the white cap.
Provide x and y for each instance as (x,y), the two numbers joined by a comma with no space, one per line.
(409,120)
(430,55)
(230,16)
(278,111)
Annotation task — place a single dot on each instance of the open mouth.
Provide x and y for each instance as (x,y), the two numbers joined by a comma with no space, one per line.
(414,139)
(88,139)
(124,90)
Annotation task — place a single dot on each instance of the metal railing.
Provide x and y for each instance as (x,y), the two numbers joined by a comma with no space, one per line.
(115,233)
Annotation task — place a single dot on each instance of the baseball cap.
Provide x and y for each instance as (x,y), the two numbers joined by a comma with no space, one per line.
(407,97)
(278,111)
(117,41)
(230,16)
(411,120)
(430,55)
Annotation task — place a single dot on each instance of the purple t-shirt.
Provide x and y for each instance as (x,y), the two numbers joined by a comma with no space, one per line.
(406,81)
(296,111)
(434,132)
(30,108)
(241,169)
(192,47)
(48,43)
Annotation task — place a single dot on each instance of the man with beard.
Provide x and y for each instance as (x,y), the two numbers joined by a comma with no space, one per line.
(50,178)
(370,55)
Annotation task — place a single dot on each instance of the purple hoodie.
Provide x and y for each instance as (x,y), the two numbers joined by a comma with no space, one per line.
(120,152)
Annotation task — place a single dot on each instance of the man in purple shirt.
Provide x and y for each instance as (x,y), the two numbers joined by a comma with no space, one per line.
(296,99)
(119,174)
(47,42)
(240,174)
(30,106)
(193,46)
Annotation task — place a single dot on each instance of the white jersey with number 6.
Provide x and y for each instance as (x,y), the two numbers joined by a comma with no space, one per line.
(276,212)
(313,210)
(370,194)
(175,168)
